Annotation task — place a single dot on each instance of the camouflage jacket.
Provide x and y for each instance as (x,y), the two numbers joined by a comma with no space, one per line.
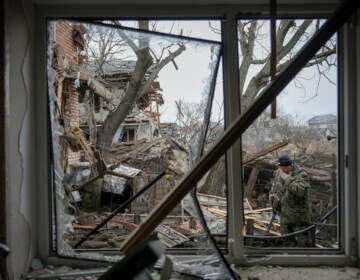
(292,195)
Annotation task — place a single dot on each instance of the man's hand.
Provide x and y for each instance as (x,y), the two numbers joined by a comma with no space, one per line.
(284,175)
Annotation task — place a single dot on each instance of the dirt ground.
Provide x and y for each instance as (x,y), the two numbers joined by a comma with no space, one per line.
(299,273)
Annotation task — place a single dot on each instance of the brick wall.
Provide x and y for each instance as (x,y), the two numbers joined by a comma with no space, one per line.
(71,113)
(70,102)
(63,36)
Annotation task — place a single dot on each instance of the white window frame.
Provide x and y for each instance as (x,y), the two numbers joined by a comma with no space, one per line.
(349,226)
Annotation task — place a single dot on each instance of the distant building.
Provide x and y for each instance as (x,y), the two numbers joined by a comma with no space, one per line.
(323,121)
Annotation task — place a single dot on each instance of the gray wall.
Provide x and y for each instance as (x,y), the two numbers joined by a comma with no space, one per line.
(19,143)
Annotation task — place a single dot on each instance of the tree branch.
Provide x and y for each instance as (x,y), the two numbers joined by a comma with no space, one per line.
(294,39)
(247,48)
(116,117)
(155,70)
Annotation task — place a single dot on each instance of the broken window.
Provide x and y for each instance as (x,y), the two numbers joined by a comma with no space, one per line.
(304,128)
(130,110)
(153,137)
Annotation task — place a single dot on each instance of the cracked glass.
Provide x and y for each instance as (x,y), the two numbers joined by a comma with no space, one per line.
(290,158)
(130,111)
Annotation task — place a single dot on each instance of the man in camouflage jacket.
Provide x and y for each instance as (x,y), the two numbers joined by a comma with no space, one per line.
(289,198)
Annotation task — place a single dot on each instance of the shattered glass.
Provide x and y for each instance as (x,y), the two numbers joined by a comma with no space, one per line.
(305,129)
(124,106)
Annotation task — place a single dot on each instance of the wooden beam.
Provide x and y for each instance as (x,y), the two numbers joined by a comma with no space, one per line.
(59,94)
(262,221)
(213,203)
(221,213)
(258,210)
(73,71)
(265,152)
(265,229)
(211,196)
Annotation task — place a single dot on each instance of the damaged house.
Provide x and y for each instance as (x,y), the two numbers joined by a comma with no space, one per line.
(138,151)
(95,175)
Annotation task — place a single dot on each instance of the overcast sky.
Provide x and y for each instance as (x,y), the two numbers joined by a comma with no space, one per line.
(188,81)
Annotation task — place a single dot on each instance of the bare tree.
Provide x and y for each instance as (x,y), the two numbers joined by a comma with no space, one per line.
(254,68)
(107,45)
(254,74)
(188,118)
(103,46)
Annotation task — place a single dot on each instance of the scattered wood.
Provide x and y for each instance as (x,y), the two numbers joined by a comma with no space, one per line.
(264,222)
(264,229)
(258,210)
(209,196)
(127,225)
(76,226)
(221,213)
(120,237)
(169,236)
(248,203)
(212,203)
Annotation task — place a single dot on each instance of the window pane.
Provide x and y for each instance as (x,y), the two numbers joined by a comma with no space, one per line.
(305,130)
(126,105)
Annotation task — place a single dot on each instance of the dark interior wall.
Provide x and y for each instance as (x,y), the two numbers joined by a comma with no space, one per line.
(2,141)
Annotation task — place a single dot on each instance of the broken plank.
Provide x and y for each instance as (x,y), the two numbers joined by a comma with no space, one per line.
(265,229)
(213,203)
(169,236)
(248,203)
(265,152)
(76,226)
(218,212)
(258,210)
(127,225)
(211,196)
(87,227)
(263,221)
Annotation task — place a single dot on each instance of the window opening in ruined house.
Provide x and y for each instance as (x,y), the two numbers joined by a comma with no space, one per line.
(128,107)
(305,129)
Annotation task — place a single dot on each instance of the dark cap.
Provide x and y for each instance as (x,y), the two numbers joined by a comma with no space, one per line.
(285,160)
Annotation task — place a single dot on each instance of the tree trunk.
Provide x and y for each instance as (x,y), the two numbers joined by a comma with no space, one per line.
(115,118)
